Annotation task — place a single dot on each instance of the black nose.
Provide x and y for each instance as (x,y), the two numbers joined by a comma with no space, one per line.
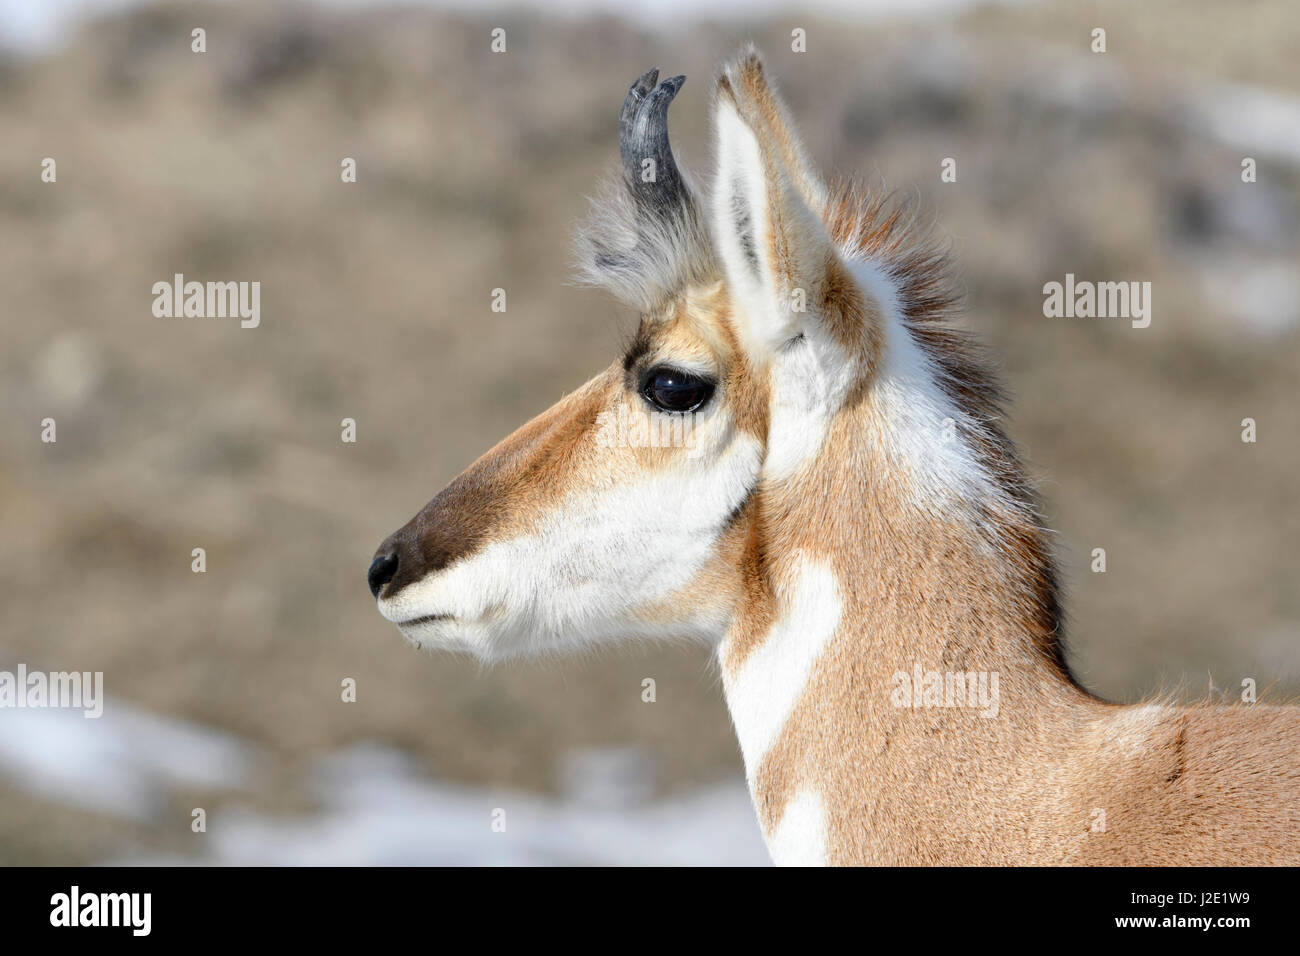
(382,570)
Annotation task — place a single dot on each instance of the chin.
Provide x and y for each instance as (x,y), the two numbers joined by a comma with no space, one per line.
(441,634)
(488,642)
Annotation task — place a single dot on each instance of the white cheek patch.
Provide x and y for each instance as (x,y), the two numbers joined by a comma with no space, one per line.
(810,379)
(800,838)
(807,391)
(594,558)
(763,693)
(917,424)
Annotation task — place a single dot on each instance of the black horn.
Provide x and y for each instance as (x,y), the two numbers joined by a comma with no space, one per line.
(643,134)
(646,239)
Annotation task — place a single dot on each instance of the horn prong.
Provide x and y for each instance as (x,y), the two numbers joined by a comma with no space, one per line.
(635,97)
(643,134)
(654,241)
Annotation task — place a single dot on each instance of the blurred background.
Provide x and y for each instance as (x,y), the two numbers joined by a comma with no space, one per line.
(472,168)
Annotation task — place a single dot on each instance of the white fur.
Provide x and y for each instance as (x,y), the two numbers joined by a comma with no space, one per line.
(808,373)
(917,424)
(767,322)
(594,561)
(642,261)
(762,695)
(800,838)
(808,381)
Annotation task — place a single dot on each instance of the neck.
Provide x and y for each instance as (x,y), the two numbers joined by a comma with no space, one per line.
(891,644)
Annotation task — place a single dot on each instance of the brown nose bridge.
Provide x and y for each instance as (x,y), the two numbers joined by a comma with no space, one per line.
(454,524)
(462,517)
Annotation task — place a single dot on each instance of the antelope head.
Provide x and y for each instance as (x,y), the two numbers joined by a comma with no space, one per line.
(628,510)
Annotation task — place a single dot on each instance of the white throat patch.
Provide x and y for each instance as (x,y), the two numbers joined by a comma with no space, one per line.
(768,686)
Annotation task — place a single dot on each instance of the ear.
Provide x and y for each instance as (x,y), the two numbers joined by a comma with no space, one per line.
(781,264)
(755,95)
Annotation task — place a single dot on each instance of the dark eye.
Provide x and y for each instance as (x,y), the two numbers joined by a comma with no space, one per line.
(672,390)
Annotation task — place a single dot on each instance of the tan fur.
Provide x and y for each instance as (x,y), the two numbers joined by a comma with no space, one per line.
(947,786)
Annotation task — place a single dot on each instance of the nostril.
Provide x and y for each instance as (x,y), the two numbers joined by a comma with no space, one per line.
(382,570)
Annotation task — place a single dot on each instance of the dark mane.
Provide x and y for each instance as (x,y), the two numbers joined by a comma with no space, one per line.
(889,232)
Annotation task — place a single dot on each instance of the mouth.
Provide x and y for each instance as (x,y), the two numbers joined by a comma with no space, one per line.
(424,619)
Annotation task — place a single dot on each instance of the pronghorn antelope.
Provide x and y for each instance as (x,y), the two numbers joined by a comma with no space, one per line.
(849,516)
